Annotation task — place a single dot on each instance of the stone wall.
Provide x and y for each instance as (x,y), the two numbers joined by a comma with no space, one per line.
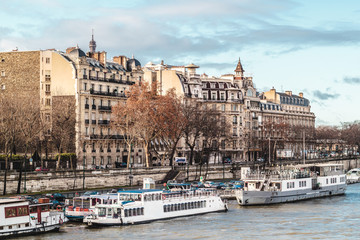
(97,179)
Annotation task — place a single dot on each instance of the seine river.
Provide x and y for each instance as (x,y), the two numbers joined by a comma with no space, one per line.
(325,218)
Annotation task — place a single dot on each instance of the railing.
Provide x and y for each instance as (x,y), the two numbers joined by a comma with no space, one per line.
(86,106)
(112,80)
(103,122)
(113,94)
(104,108)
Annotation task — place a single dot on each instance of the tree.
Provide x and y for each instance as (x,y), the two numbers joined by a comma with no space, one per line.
(63,125)
(123,121)
(173,122)
(350,132)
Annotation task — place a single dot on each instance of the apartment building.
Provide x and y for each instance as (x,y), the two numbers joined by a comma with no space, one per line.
(91,81)
(236,99)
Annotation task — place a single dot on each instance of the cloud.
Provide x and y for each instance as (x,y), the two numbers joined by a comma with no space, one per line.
(325,95)
(352,80)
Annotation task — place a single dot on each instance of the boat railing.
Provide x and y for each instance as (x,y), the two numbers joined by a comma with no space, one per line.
(189,194)
(280,176)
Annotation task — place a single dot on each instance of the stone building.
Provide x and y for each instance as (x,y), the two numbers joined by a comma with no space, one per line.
(236,99)
(94,84)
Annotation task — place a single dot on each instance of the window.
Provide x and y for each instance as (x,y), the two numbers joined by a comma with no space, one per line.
(234,107)
(47,60)
(213,96)
(214,107)
(223,144)
(3,73)
(47,117)
(222,96)
(85,86)
(223,107)
(3,87)
(234,131)
(93,160)
(48,102)
(47,87)
(205,95)
(234,119)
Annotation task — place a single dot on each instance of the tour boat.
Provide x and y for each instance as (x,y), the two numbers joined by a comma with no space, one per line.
(353,176)
(146,205)
(84,205)
(18,217)
(292,183)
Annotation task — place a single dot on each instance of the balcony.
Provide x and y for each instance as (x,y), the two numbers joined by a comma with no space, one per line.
(87,121)
(103,122)
(104,108)
(93,121)
(85,77)
(108,150)
(95,136)
(111,79)
(93,107)
(103,93)
(86,106)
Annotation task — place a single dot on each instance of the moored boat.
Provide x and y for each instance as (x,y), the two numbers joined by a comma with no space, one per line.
(353,176)
(18,217)
(146,205)
(292,183)
(84,205)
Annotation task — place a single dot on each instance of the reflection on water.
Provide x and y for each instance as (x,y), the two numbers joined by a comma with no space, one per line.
(325,218)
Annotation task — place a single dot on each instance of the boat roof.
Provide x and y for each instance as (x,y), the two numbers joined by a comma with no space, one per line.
(105,196)
(315,165)
(140,191)
(11,200)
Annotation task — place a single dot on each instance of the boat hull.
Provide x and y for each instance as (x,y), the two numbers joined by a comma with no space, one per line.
(246,198)
(118,222)
(30,231)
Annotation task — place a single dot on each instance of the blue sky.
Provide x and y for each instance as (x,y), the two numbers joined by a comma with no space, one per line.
(305,45)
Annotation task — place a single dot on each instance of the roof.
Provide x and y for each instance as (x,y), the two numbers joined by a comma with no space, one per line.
(11,200)
(239,67)
(191,65)
(77,52)
(140,191)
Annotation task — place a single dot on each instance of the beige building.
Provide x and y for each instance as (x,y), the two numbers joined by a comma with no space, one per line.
(93,82)
(234,96)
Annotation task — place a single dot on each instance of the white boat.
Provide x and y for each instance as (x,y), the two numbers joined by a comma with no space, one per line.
(18,217)
(85,205)
(293,183)
(146,205)
(353,176)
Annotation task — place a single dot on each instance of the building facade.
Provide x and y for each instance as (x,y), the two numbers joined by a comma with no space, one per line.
(92,82)
(246,111)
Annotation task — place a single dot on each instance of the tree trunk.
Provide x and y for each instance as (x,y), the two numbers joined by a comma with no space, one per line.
(129,156)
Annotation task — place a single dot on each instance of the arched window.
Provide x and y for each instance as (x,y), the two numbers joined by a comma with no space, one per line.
(249,93)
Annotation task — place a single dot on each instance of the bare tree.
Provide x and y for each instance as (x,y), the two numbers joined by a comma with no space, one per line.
(63,125)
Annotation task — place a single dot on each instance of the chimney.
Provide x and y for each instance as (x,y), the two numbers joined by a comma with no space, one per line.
(288,93)
(69,49)
(301,95)
(121,60)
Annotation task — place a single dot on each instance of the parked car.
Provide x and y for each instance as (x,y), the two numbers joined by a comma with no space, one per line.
(197,184)
(209,184)
(88,193)
(41,169)
(56,196)
(227,161)
(120,164)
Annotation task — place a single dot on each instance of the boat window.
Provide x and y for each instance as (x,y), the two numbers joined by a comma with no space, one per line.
(109,212)
(134,212)
(102,212)
(182,206)
(204,203)
(165,208)
(130,212)
(142,211)
(45,208)
(126,213)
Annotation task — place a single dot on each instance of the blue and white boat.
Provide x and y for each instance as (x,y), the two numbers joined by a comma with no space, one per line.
(146,205)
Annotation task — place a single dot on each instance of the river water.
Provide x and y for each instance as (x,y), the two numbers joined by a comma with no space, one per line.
(336,217)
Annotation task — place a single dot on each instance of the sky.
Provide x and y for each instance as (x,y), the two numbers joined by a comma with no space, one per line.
(309,46)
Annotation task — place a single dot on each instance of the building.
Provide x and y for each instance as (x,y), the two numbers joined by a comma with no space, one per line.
(90,81)
(236,99)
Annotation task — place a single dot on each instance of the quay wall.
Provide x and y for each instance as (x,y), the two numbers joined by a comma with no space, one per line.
(104,178)
(112,178)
